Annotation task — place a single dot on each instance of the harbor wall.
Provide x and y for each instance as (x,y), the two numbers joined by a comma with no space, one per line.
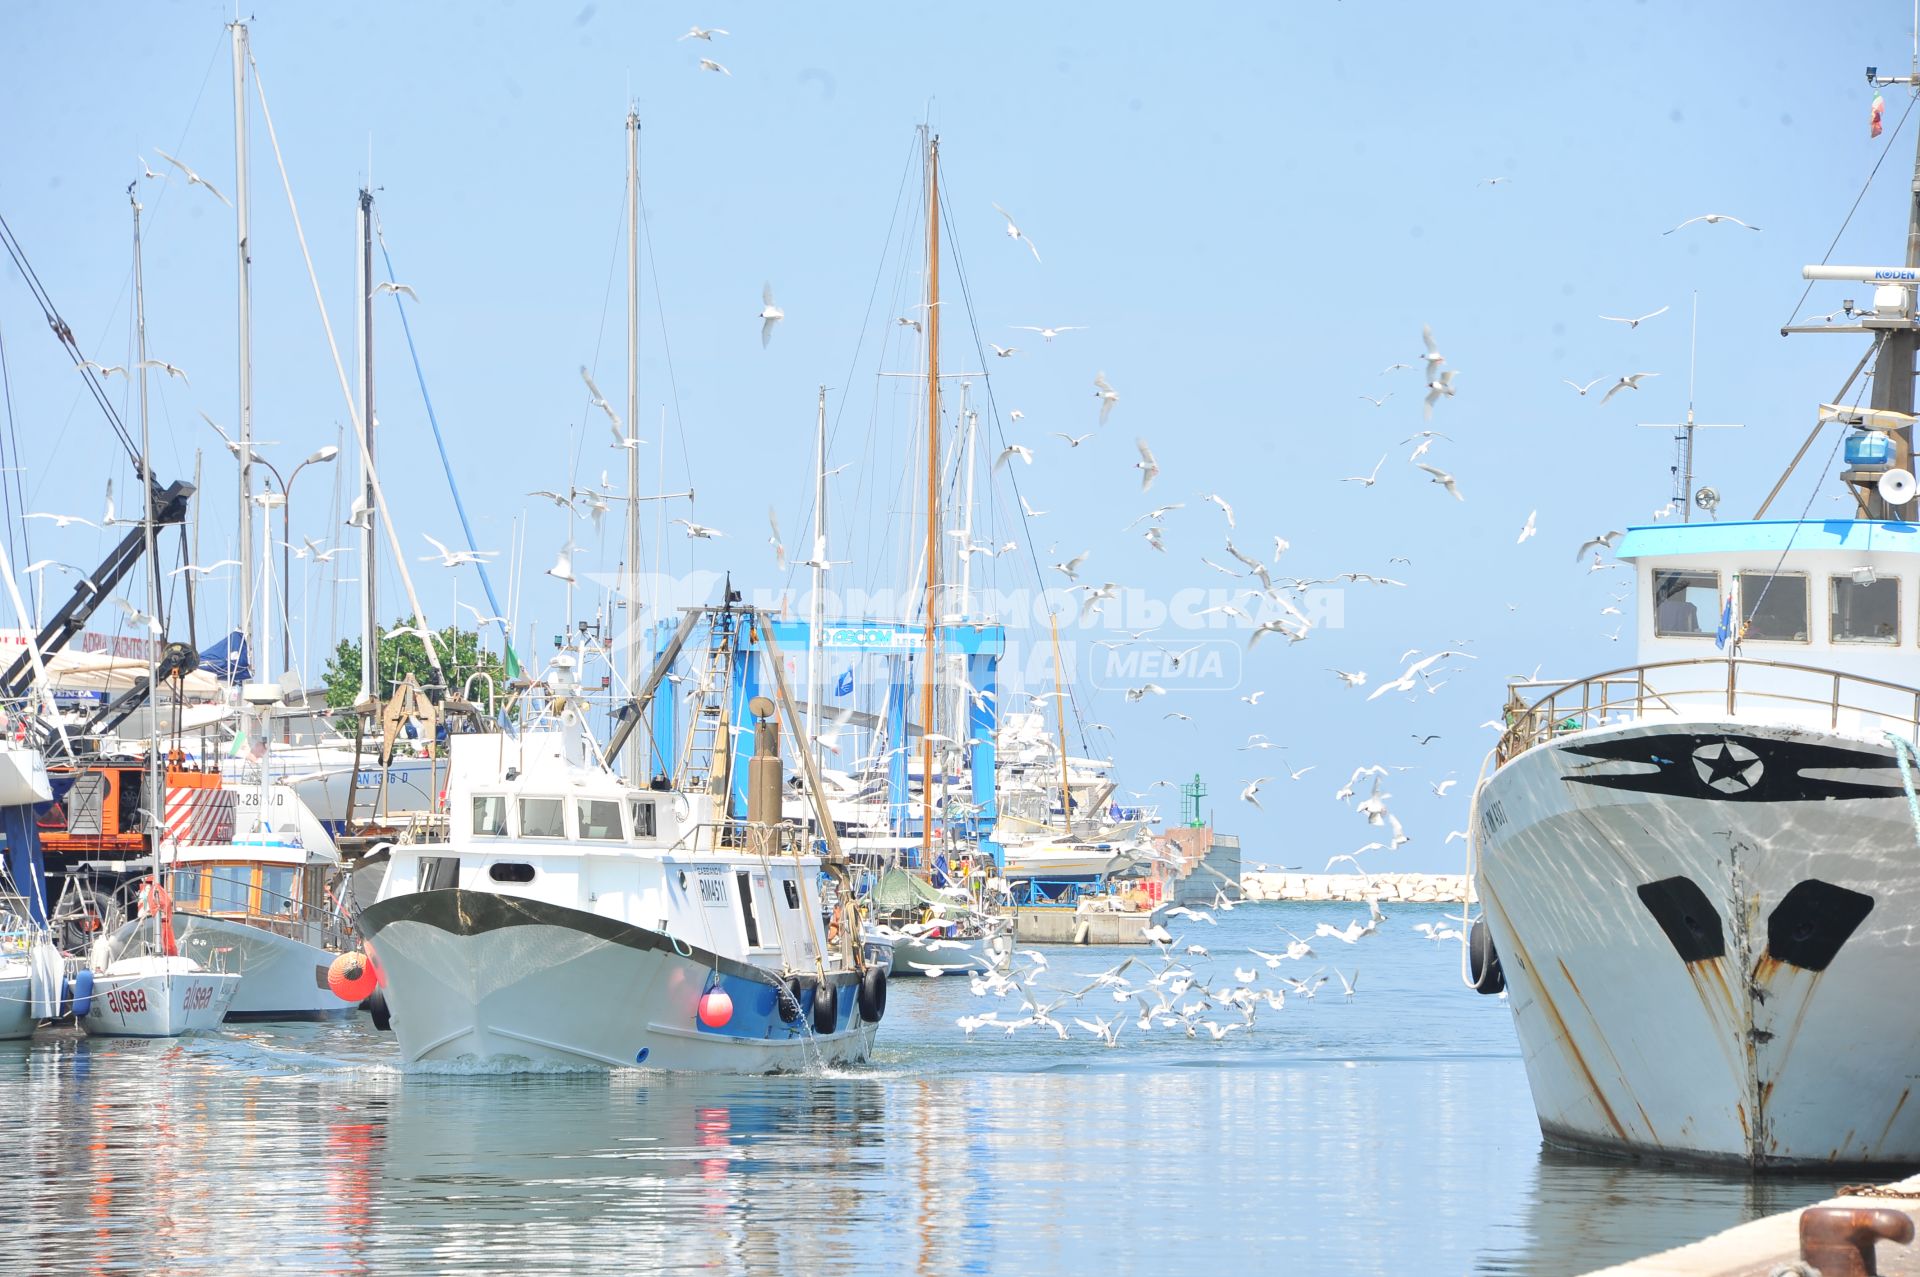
(1409,888)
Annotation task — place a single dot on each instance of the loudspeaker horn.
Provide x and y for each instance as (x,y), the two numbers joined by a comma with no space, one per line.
(1897,487)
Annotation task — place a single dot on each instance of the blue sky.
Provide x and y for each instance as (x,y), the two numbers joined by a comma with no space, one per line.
(1252,210)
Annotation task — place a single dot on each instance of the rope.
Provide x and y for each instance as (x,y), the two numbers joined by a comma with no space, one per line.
(1824,257)
(1903,754)
(446,462)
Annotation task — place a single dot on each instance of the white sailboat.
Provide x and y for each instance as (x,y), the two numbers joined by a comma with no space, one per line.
(1700,874)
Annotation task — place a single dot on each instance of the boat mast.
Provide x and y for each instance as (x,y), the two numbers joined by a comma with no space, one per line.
(933,500)
(369,512)
(631,672)
(244,232)
(156,775)
(1893,372)
(815,610)
(1060,718)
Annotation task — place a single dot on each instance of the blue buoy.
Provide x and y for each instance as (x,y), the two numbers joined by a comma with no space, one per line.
(642,1057)
(82,994)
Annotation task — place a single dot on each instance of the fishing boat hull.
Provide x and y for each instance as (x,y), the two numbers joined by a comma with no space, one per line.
(151,997)
(476,978)
(285,978)
(1704,928)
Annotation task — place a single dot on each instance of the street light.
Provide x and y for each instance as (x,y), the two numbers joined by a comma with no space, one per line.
(327,453)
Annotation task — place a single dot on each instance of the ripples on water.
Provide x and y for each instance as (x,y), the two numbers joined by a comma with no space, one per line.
(1390,1134)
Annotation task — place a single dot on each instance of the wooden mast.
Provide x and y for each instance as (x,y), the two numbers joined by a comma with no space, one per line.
(933,501)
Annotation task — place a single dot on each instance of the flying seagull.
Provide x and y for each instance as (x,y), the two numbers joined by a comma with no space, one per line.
(708,64)
(1147,466)
(1629,382)
(1584,389)
(705,33)
(193,178)
(388,286)
(1014,232)
(1106,394)
(1636,322)
(1710,219)
(770,314)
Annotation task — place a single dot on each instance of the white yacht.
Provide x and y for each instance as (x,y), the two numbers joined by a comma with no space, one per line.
(1700,874)
(571,918)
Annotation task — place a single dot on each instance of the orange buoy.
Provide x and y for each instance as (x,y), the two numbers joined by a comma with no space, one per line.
(351,977)
(716,1008)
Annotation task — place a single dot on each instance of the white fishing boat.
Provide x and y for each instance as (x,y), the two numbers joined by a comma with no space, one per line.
(1700,874)
(573,919)
(137,983)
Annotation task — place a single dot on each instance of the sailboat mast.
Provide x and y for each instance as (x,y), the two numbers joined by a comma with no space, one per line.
(244,232)
(156,775)
(933,500)
(631,672)
(369,512)
(815,617)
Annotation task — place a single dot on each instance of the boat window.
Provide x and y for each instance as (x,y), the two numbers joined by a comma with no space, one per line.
(746,912)
(1686,603)
(508,872)
(439,873)
(542,818)
(277,888)
(186,887)
(232,887)
(1775,607)
(643,822)
(1865,611)
(490,815)
(792,890)
(598,817)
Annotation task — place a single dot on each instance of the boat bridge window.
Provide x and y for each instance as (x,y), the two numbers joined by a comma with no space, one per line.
(1775,607)
(643,820)
(509,872)
(598,817)
(746,911)
(439,873)
(542,818)
(232,888)
(1686,603)
(490,815)
(1865,611)
(277,888)
(792,890)
(186,887)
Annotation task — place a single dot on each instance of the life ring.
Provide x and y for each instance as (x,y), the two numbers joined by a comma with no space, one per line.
(873,995)
(826,1008)
(1483,960)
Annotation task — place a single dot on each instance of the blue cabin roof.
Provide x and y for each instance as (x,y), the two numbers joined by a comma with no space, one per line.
(1772,536)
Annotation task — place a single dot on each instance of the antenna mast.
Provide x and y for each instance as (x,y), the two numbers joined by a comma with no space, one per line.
(933,500)
(244,235)
(1682,468)
(631,665)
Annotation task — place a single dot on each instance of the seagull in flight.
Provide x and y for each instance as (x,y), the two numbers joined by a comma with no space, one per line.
(698,531)
(454,558)
(1604,541)
(1005,352)
(193,178)
(1433,358)
(1073,441)
(1251,794)
(1590,385)
(1106,394)
(1381,400)
(1047,334)
(1629,382)
(1225,509)
(1529,530)
(64,520)
(1358,678)
(104,370)
(1437,389)
(708,64)
(1711,219)
(195,569)
(770,314)
(1014,232)
(1635,323)
(1147,466)
(1444,479)
(705,33)
(1014,450)
(563,566)
(1368,480)
(388,286)
(164,367)
(1071,568)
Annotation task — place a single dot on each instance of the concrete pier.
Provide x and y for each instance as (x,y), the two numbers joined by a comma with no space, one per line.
(1064,924)
(1770,1245)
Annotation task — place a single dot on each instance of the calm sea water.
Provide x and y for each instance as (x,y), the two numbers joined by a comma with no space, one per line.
(1389,1134)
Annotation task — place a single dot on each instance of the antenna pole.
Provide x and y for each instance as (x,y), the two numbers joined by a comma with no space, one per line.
(630,671)
(369,507)
(819,556)
(1693,370)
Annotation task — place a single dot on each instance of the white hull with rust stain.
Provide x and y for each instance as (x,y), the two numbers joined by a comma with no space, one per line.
(1740,1059)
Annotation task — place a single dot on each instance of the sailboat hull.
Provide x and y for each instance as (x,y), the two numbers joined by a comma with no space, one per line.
(1703,928)
(479,979)
(285,978)
(158,998)
(16,1001)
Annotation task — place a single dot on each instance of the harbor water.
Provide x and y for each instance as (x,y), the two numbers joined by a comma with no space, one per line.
(1389,1134)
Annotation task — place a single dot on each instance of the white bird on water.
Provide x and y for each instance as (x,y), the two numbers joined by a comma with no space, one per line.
(1710,219)
(1014,232)
(1629,382)
(1635,322)
(770,314)
(193,178)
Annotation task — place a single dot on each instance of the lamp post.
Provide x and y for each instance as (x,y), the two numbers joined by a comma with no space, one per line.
(327,453)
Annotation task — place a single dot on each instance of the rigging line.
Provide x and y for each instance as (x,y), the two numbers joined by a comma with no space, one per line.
(440,442)
(11,489)
(666,348)
(1826,256)
(65,335)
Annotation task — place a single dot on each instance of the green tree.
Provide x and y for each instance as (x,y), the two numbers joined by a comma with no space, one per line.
(401,654)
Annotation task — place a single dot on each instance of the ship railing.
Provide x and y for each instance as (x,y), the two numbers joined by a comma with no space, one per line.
(1763,691)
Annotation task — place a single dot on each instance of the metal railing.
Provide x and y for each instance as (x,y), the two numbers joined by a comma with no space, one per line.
(1768,691)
